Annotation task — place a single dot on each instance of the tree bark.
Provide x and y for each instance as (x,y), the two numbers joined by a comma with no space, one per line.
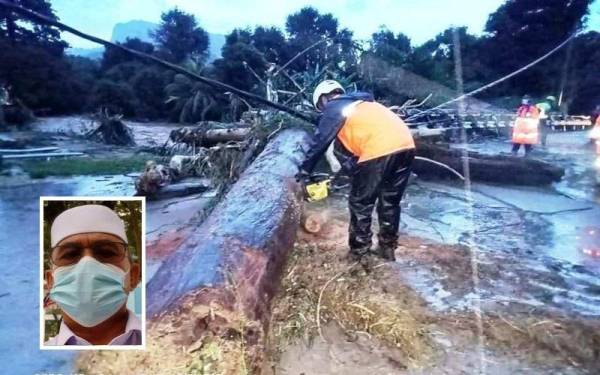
(244,242)
(505,169)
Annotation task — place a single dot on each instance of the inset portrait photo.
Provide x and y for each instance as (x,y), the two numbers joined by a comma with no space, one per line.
(92,253)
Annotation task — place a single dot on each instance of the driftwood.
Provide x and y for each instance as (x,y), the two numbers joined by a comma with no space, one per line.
(243,243)
(206,136)
(183,188)
(154,177)
(506,169)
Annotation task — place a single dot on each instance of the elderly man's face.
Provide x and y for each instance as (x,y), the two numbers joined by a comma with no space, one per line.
(105,248)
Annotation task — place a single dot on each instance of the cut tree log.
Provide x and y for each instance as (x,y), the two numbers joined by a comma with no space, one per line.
(505,169)
(236,256)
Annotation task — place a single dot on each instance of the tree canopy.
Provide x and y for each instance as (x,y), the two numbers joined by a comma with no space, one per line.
(312,46)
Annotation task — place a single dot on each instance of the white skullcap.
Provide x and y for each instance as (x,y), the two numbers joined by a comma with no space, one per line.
(86,219)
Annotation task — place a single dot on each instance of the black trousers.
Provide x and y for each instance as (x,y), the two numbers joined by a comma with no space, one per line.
(517,146)
(544,130)
(382,180)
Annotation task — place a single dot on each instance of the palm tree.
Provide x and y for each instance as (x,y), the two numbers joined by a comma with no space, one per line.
(191,100)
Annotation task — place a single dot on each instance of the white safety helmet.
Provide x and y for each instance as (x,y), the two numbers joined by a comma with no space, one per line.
(324,88)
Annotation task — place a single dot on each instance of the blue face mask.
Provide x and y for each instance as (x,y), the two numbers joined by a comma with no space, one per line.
(89,292)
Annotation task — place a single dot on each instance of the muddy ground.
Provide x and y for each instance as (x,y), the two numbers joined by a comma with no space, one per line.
(539,296)
(451,322)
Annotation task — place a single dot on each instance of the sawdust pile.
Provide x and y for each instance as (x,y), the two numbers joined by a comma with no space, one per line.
(319,288)
(196,339)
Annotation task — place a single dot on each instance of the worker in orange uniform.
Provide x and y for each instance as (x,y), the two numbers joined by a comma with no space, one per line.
(374,147)
(525,130)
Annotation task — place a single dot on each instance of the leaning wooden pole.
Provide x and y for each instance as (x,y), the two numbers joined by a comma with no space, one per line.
(34,16)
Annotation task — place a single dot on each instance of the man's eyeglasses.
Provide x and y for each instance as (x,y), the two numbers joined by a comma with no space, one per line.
(103,251)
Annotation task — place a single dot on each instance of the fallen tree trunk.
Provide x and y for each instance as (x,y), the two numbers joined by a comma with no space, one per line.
(244,241)
(206,136)
(506,169)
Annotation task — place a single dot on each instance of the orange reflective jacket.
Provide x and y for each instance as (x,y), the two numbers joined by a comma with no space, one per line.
(525,129)
(371,130)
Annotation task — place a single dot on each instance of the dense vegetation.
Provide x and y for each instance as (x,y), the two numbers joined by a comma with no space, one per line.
(36,70)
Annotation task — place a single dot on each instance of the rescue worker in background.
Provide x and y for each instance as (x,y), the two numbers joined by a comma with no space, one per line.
(374,147)
(525,130)
(545,107)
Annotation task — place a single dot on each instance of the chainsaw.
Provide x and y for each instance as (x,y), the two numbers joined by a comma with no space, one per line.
(318,186)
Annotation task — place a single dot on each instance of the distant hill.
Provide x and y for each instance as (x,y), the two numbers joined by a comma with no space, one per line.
(133,29)
(90,53)
(141,30)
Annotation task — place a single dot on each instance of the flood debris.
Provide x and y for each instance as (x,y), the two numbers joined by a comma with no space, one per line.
(187,140)
(112,130)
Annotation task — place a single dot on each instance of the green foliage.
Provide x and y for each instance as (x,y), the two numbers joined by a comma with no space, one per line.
(18,30)
(148,85)
(179,37)
(307,27)
(114,56)
(83,166)
(230,68)
(582,81)
(43,81)
(272,44)
(117,98)
(33,65)
(521,31)
(394,49)
(189,100)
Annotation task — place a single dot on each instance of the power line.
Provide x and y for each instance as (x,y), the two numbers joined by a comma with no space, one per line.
(494,83)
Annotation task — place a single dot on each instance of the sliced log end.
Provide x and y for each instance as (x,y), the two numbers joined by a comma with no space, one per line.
(312,223)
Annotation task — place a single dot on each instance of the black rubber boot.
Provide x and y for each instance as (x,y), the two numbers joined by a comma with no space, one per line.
(387,252)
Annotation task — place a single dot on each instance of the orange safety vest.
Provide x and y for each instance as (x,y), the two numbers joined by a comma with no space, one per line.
(371,130)
(525,129)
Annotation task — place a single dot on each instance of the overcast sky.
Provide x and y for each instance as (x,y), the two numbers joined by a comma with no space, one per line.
(419,19)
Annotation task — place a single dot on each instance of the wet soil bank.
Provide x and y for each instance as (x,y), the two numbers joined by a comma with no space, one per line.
(502,319)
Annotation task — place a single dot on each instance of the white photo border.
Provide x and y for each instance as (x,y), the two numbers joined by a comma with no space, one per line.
(43,199)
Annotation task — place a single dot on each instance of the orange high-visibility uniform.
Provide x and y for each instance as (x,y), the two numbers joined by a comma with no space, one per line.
(371,130)
(525,129)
